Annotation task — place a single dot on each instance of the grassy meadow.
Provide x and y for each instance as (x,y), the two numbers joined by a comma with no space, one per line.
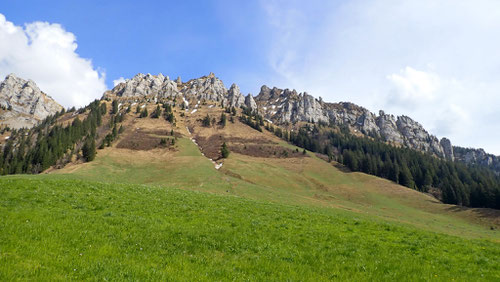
(59,229)
(168,214)
(294,181)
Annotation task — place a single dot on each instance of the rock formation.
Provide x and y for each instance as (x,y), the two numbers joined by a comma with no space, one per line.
(23,104)
(234,96)
(285,106)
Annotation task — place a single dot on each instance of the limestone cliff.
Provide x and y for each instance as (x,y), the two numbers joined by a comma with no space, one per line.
(23,104)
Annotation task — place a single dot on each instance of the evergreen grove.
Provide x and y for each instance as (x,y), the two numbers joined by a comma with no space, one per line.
(50,143)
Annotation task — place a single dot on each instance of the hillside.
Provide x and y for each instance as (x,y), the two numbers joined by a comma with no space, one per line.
(149,112)
(67,229)
(262,166)
(135,186)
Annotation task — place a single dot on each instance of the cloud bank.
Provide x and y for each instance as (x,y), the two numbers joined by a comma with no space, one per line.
(435,61)
(46,53)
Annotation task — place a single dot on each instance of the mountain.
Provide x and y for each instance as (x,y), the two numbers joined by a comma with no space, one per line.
(143,172)
(23,104)
(152,112)
(284,106)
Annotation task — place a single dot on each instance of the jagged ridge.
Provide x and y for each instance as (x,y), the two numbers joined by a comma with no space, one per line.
(283,106)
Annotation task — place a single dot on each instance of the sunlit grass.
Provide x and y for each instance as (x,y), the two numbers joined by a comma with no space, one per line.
(53,228)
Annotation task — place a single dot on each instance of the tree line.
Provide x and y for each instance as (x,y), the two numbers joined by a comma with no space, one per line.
(472,186)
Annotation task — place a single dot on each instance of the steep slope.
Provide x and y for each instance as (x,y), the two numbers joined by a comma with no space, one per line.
(22,104)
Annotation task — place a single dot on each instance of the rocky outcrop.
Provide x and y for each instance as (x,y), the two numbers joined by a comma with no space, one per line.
(250,102)
(288,106)
(145,85)
(285,106)
(23,104)
(447,149)
(234,96)
(477,157)
(209,88)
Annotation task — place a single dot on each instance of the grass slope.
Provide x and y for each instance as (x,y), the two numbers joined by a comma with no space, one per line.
(59,229)
(298,181)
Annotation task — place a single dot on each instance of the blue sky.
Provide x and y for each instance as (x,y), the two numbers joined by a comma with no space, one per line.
(186,38)
(436,61)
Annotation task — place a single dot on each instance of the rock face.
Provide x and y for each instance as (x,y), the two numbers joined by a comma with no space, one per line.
(250,102)
(477,157)
(285,106)
(447,149)
(234,96)
(146,85)
(23,104)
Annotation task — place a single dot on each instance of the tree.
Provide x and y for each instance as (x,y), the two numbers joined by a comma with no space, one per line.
(405,177)
(223,119)
(157,112)
(224,150)
(114,107)
(144,113)
(88,149)
(206,121)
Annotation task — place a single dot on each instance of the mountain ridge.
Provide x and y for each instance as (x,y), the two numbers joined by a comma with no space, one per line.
(285,106)
(24,105)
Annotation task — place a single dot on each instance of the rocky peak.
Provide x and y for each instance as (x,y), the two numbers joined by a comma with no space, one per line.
(285,106)
(145,85)
(24,103)
(234,96)
(250,102)
(208,88)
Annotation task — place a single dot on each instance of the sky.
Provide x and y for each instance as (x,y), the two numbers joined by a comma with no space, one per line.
(437,61)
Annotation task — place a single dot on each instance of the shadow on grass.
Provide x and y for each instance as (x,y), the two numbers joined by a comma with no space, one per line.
(492,214)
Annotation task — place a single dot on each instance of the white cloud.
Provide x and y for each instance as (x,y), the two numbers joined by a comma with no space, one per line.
(435,61)
(118,81)
(46,53)
(412,86)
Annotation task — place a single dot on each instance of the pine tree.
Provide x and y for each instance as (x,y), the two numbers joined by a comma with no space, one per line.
(114,107)
(206,121)
(224,150)
(89,150)
(157,112)
(144,113)
(223,119)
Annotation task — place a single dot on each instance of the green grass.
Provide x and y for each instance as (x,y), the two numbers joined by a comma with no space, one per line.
(311,183)
(53,228)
